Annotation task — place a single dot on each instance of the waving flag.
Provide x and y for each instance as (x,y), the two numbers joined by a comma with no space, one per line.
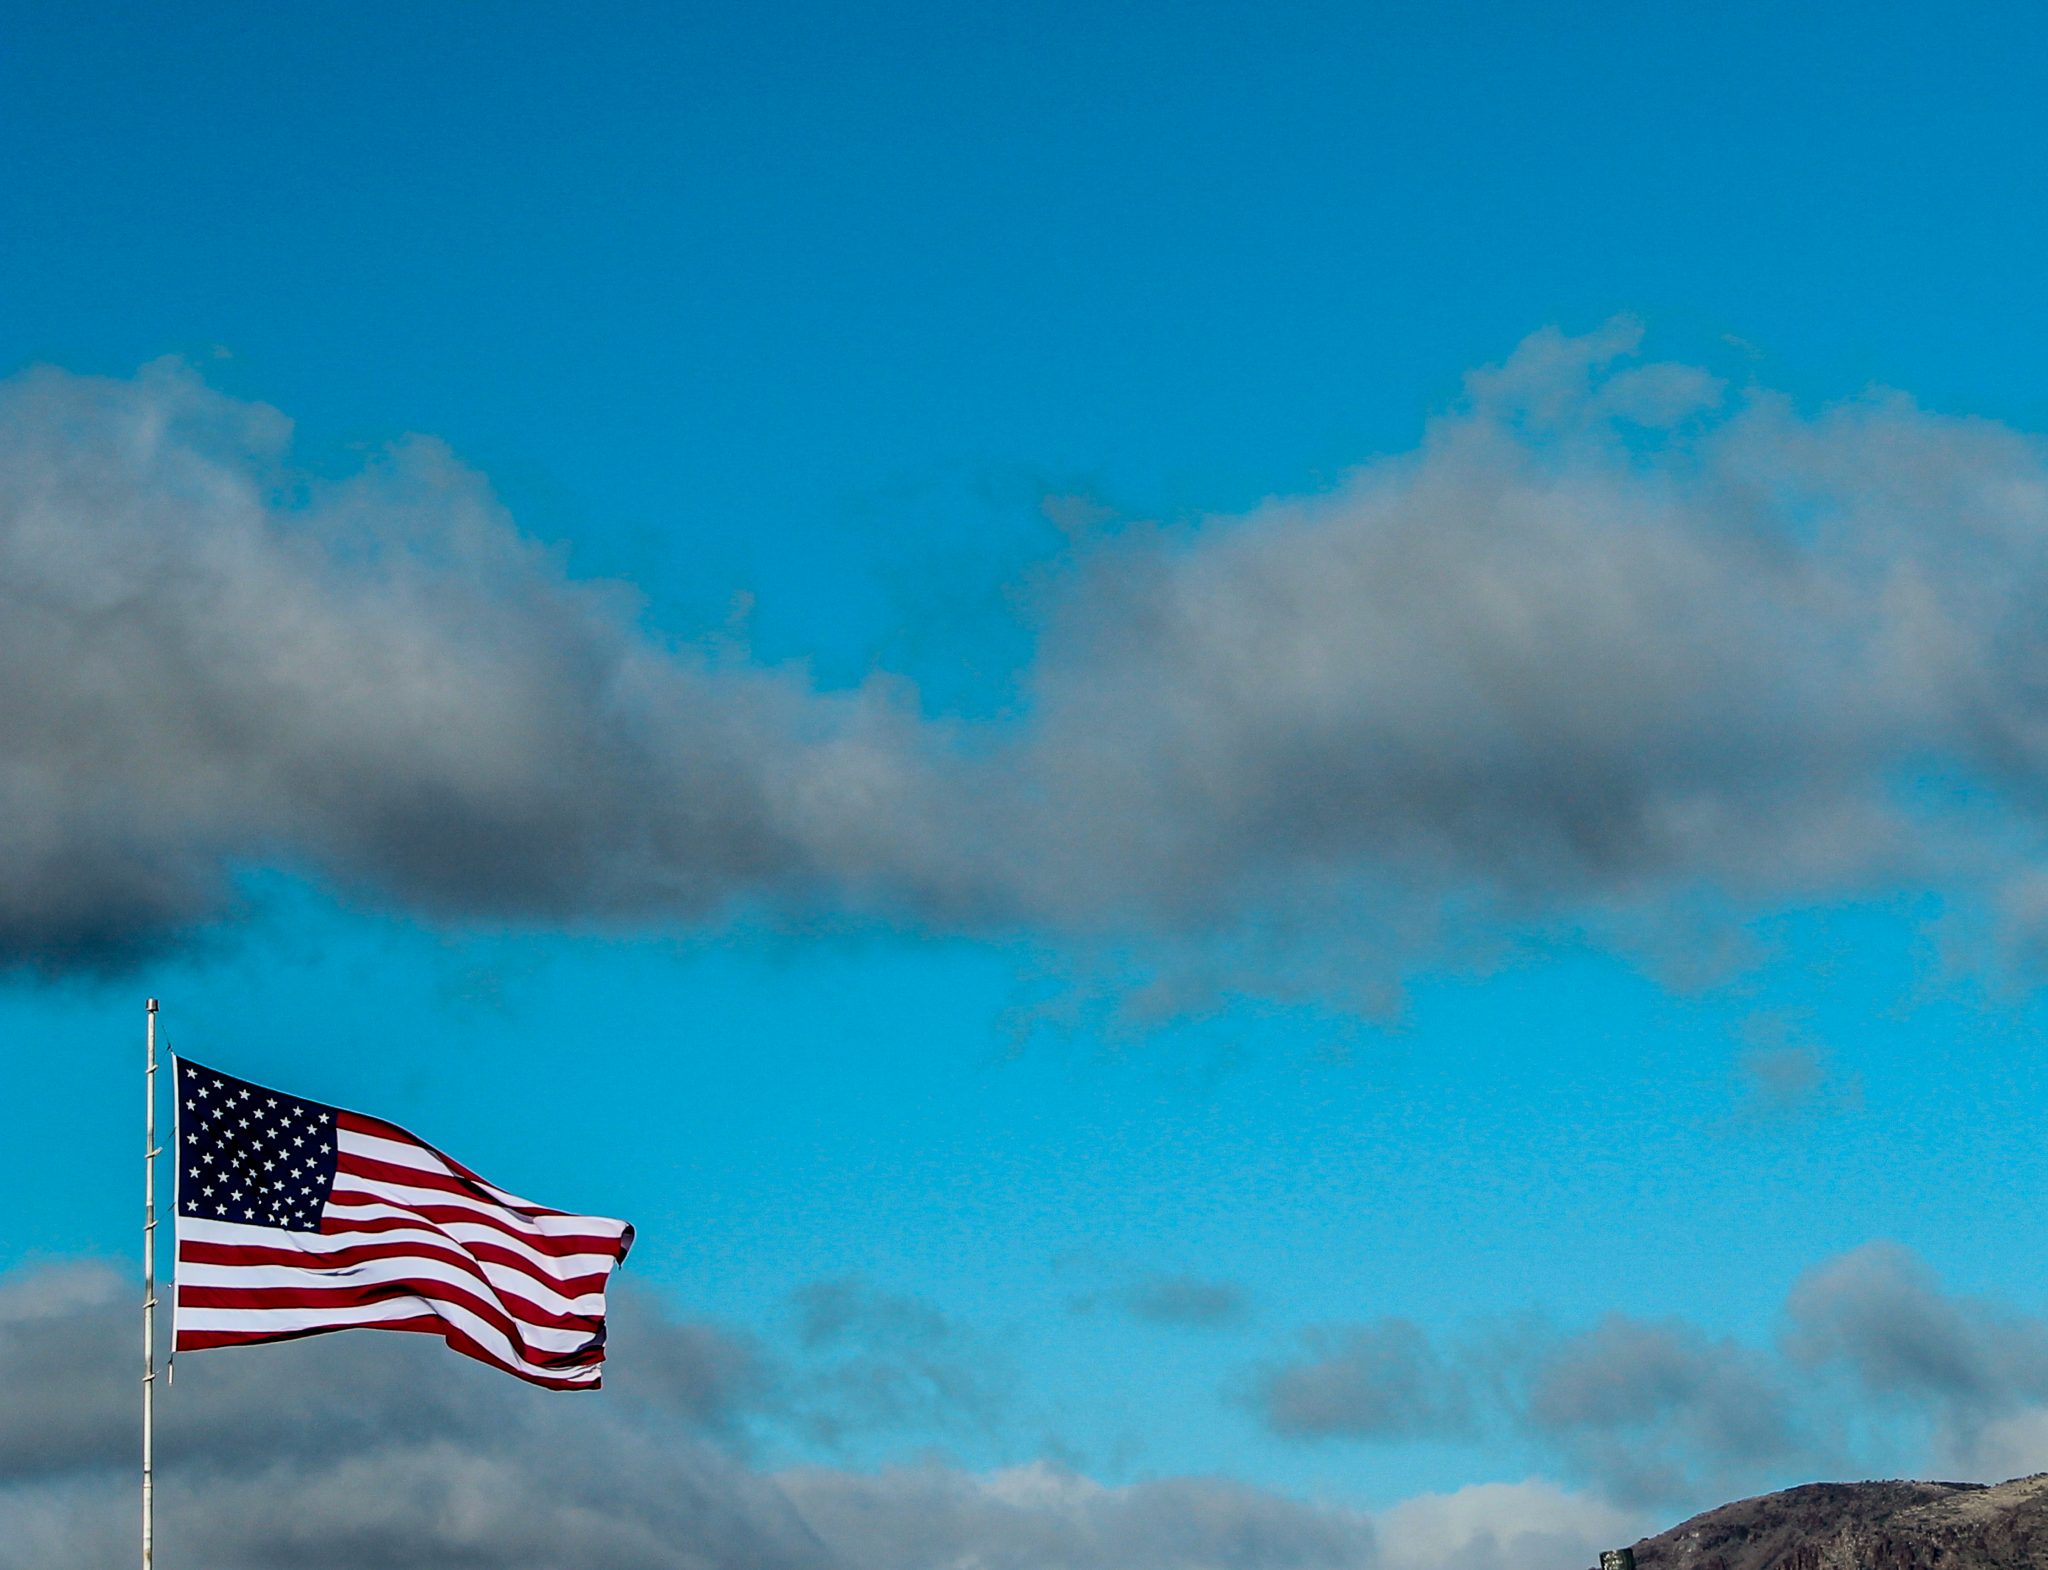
(296,1218)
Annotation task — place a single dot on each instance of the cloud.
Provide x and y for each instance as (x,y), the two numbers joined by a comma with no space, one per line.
(1782,1078)
(1650,1412)
(212,660)
(1878,1314)
(1516,661)
(1531,1525)
(845,1308)
(1877,1367)
(367,1449)
(1657,1411)
(708,1376)
(1040,1517)
(65,1340)
(1381,1381)
(364,1449)
(1613,640)
(2003,1447)
(1788,1081)
(880,1360)
(1187,1300)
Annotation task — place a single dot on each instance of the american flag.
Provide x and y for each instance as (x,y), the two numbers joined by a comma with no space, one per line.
(296,1218)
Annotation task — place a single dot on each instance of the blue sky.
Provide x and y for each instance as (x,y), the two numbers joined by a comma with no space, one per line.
(913,367)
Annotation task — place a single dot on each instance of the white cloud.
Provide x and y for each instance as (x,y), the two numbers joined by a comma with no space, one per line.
(1531,1525)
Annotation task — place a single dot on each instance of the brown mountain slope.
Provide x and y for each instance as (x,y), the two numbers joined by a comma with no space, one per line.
(1865,1526)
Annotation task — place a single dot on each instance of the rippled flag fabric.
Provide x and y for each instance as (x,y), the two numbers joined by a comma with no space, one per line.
(295,1218)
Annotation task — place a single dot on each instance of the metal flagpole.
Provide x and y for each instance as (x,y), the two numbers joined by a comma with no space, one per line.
(149,1296)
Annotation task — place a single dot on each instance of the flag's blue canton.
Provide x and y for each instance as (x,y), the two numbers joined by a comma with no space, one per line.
(251,1155)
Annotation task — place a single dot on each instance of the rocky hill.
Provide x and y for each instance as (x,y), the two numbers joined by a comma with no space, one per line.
(1865,1526)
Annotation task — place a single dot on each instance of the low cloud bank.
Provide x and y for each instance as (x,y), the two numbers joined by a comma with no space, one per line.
(365,1449)
(361,1449)
(1612,638)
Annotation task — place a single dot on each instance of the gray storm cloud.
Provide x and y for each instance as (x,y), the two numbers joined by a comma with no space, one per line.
(1609,636)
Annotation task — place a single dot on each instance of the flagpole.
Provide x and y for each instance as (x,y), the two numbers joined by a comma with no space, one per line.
(149,1297)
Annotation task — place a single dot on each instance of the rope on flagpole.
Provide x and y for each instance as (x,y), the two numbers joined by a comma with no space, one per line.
(149,1298)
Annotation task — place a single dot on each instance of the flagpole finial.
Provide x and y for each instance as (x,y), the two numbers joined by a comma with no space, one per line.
(152,1005)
